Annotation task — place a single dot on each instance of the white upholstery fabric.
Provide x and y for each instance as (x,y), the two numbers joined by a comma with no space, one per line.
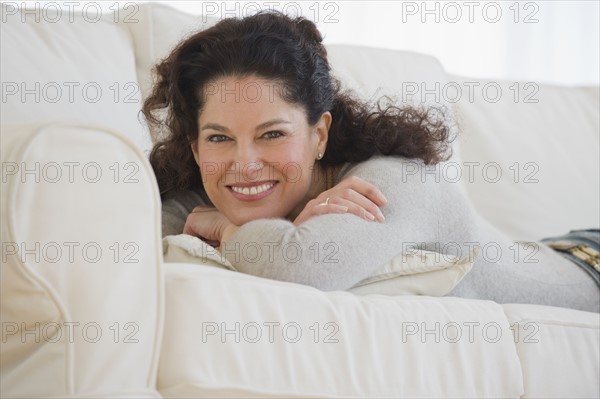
(76,71)
(373,346)
(400,74)
(558,349)
(184,248)
(416,273)
(556,143)
(81,277)
(158,30)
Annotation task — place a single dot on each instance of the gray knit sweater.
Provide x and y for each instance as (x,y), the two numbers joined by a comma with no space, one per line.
(336,251)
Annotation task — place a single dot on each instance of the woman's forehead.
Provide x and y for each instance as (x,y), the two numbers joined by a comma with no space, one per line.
(244,88)
(247,98)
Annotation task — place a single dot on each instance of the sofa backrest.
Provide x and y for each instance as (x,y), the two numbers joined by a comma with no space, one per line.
(534,151)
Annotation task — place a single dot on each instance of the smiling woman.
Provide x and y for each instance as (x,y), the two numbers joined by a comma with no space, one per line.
(264,150)
(255,101)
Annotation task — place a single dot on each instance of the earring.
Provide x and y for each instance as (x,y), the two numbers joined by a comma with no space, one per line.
(320,155)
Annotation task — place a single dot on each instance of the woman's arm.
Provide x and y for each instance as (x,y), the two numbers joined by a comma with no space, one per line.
(335,251)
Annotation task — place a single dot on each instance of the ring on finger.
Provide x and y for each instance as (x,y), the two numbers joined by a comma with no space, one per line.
(324,203)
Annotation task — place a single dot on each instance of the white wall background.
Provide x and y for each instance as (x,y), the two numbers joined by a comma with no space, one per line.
(546,41)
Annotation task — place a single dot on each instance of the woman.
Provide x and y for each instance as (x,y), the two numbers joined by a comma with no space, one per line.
(295,180)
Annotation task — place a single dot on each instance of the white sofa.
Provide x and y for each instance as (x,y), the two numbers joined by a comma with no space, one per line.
(89,308)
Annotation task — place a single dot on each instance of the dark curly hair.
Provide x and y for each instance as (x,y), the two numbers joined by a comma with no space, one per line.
(287,50)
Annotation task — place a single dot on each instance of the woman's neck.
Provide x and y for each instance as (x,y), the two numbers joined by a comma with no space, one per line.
(323,178)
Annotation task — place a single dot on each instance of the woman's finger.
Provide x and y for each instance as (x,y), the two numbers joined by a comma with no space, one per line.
(360,205)
(365,189)
(360,211)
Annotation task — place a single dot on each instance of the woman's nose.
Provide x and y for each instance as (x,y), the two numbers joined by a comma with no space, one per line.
(248,162)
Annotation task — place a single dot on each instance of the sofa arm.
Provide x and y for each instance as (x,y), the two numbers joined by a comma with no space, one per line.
(81,278)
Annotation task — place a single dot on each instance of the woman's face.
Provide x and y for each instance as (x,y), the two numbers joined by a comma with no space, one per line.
(256,152)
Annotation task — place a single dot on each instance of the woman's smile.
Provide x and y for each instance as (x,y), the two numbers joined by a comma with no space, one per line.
(252,191)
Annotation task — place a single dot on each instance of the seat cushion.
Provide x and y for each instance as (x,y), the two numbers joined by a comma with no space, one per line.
(559,350)
(231,334)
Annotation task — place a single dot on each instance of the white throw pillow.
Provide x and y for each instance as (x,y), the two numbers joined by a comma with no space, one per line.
(184,248)
(419,272)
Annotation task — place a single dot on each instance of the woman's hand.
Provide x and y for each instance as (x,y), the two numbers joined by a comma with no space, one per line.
(351,195)
(208,224)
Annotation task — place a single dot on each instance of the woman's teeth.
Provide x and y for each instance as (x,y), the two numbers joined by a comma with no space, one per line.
(252,190)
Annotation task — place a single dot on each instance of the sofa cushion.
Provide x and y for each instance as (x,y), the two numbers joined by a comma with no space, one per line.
(400,74)
(59,70)
(231,334)
(535,151)
(81,280)
(559,350)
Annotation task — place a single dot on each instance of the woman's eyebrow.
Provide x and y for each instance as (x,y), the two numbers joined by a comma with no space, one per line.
(221,128)
(214,126)
(271,123)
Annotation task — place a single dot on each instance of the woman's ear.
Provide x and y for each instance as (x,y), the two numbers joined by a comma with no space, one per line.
(322,129)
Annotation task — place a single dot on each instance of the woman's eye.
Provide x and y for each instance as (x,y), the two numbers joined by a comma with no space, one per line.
(273,134)
(217,138)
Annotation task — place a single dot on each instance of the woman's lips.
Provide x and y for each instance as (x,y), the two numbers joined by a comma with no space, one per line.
(253,191)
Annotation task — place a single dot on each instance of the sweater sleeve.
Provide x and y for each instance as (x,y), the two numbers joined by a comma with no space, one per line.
(336,251)
(176,209)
